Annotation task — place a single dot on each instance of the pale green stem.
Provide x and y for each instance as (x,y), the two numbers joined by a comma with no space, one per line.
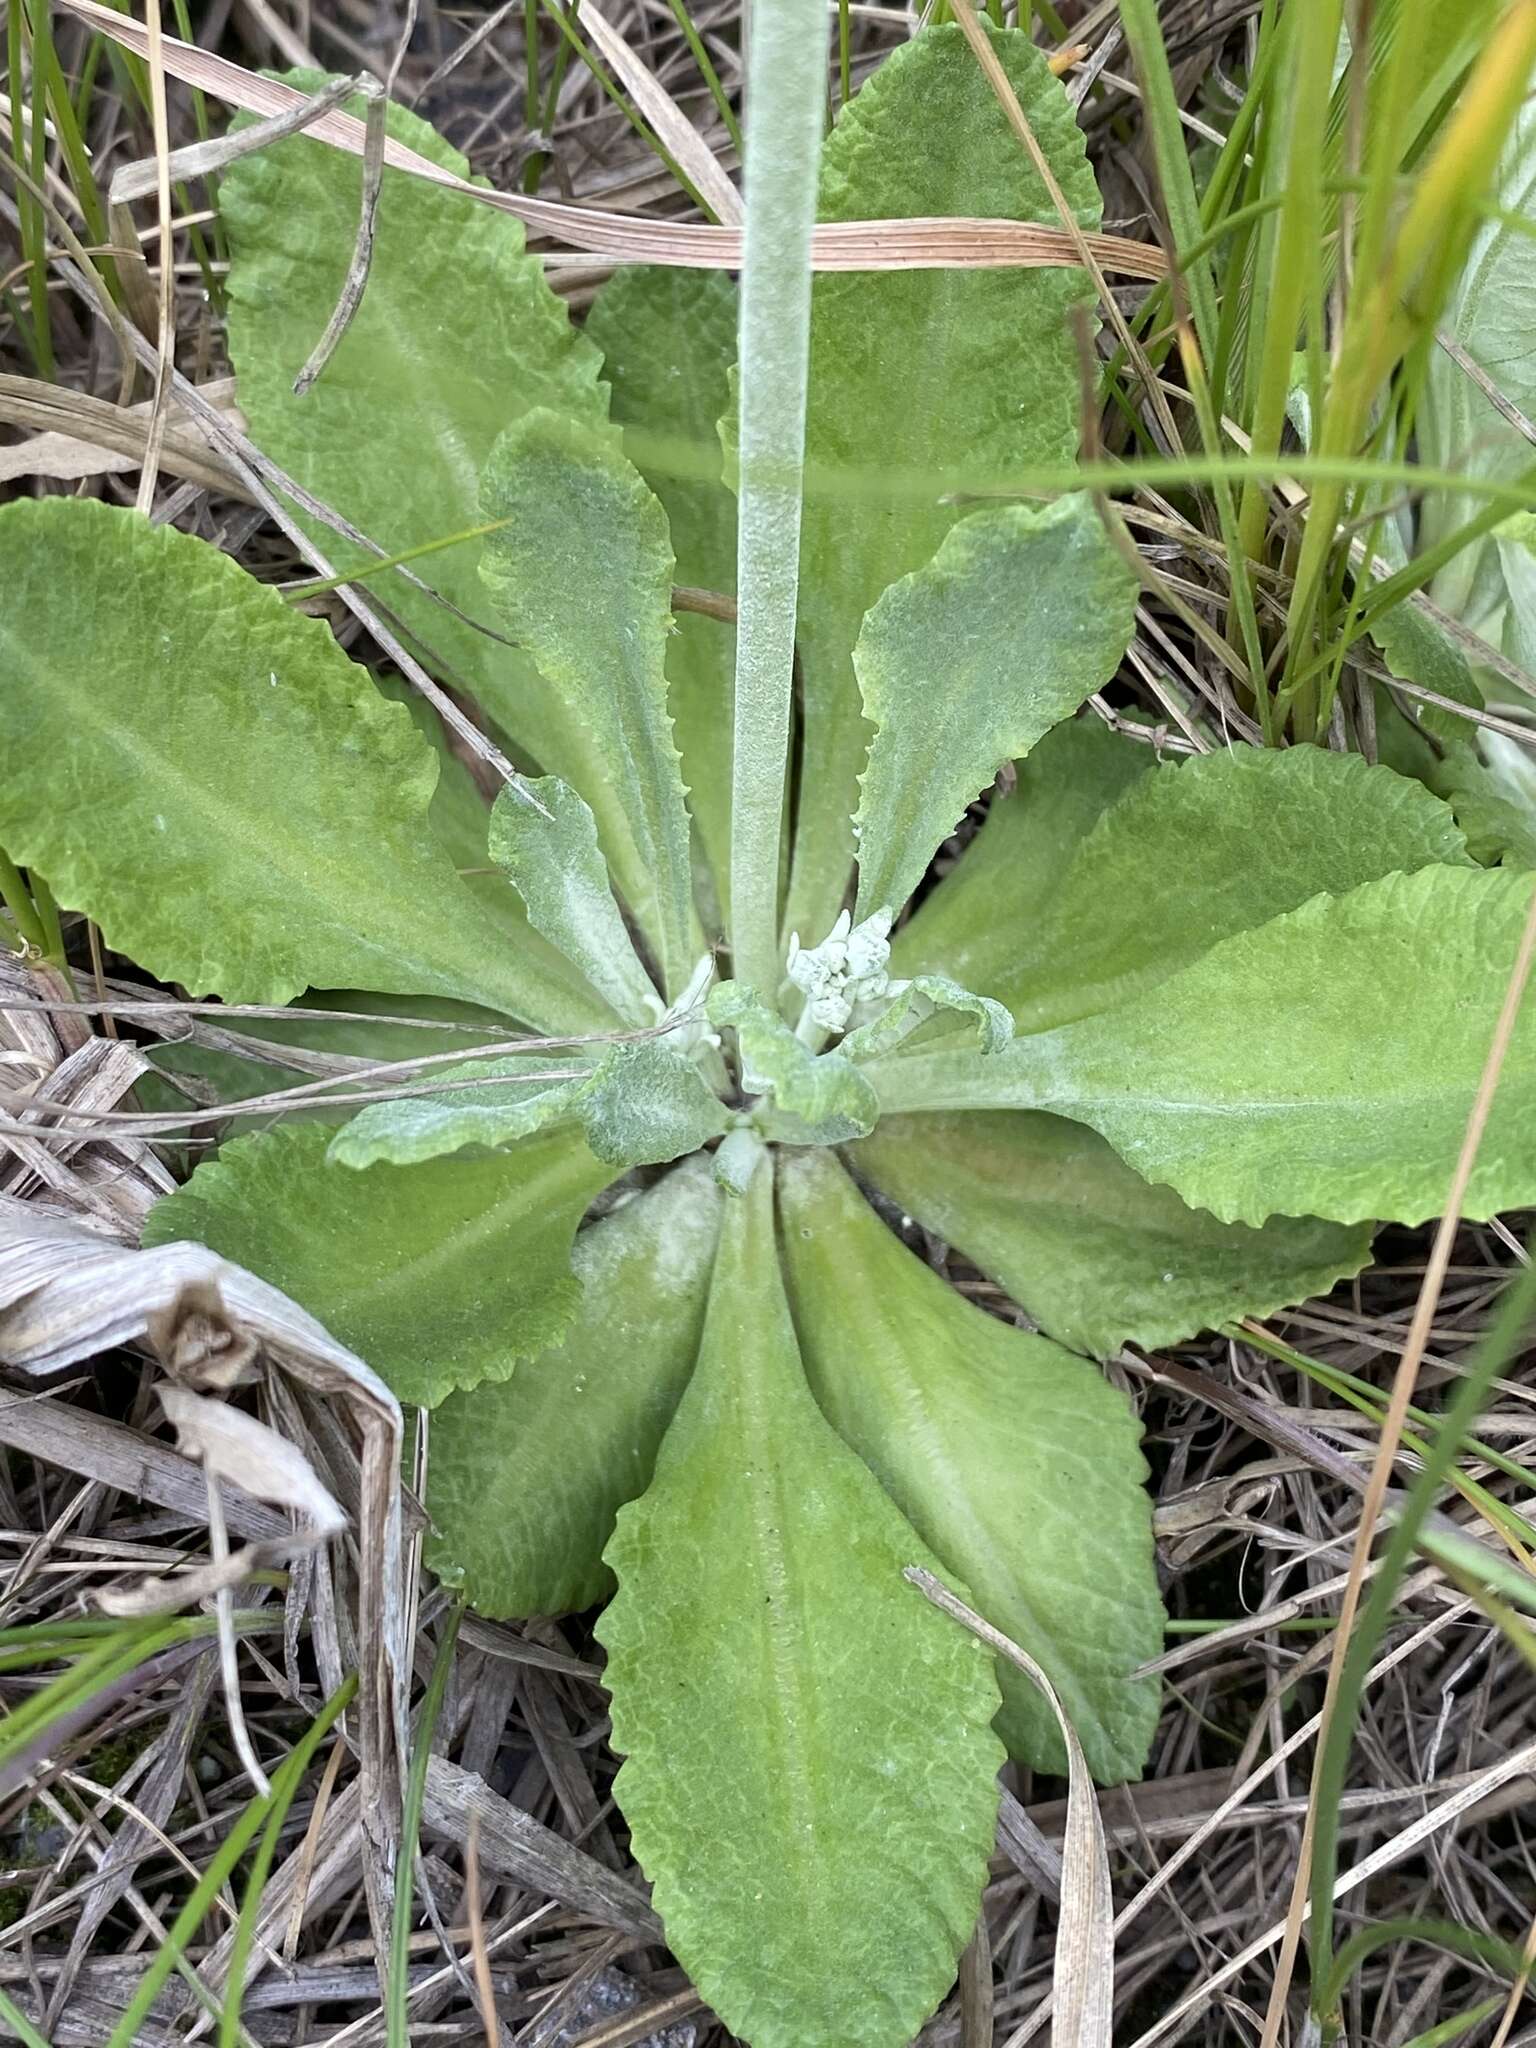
(786,96)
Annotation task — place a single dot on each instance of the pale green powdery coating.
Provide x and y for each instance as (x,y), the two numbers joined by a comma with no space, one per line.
(525,1479)
(227,795)
(1097,1255)
(457,335)
(1323,1064)
(440,1275)
(556,866)
(668,339)
(809,1775)
(923,382)
(1016,1462)
(1023,613)
(581,573)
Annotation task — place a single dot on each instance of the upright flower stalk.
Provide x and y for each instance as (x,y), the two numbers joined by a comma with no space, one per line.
(786,96)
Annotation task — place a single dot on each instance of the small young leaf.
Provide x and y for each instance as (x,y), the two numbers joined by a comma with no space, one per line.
(203,771)
(1491,786)
(1015,863)
(809,1774)
(440,1275)
(639,1105)
(525,1479)
(1192,855)
(649,1104)
(914,1003)
(1023,613)
(581,571)
(1324,1064)
(511,1098)
(668,339)
(460,816)
(1016,1462)
(557,868)
(818,1099)
(1097,1255)
(456,336)
(924,383)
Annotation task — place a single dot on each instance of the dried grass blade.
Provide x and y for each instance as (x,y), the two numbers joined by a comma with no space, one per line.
(952,243)
(663,113)
(1083,1978)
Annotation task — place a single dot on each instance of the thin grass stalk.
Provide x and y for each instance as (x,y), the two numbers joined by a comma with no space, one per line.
(1492,1354)
(285,1784)
(21,2026)
(397,2022)
(1295,272)
(786,84)
(707,71)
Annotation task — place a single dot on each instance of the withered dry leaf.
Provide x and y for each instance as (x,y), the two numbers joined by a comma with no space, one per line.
(230,1444)
(67,1294)
(200,1346)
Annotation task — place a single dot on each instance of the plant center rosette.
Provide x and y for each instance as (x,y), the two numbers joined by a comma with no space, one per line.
(1153,1052)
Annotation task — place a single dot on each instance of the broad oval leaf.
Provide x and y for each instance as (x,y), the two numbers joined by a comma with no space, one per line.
(440,1275)
(581,571)
(1017,1463)
(809,1766)
(554,863)
(1097,1255)
(202,770)
(525,1478)
(668,339)
(456,336)
(1023,613)
(1323,1064)
(923,383)
(1008,873)
(1192,854)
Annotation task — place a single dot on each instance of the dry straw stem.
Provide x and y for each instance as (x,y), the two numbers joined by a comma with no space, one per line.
(1404,1385)
(956,243)
(1083,1978)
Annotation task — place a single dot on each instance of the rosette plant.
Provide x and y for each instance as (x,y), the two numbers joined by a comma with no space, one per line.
(1156,1050)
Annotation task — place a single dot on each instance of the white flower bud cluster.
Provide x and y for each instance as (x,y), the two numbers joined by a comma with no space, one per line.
(847,969)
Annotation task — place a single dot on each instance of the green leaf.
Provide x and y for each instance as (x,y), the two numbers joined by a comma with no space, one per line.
(212,780)
(581,572)
(668,339)
(1023,613)
(525,1479)
(457,335)
(440,1275)
(1490,314)
(1016,1462)
(914,1003)
(809,1774)
(641,1104)
(1011,869)
(1098,1256)
(461,816)
(818,1099)
(1324,1064)
(1191,855)
(1490,784)
(557,868)
(923,382)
